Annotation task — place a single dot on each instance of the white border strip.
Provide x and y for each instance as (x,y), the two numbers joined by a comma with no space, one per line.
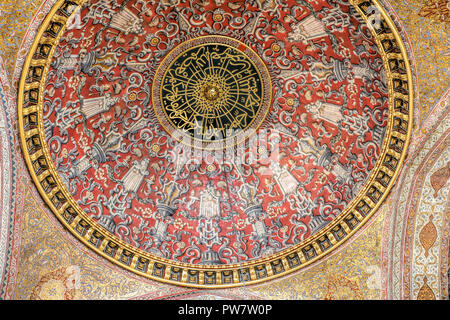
(5,172)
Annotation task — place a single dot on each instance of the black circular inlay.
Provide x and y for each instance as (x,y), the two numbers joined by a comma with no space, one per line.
(211,91)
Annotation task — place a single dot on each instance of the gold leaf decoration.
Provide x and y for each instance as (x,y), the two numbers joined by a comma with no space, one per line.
(428,235)
(439,178)
(437,10)
(426,293)
(342,288)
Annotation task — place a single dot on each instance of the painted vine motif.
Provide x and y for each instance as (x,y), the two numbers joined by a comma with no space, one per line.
(317,146)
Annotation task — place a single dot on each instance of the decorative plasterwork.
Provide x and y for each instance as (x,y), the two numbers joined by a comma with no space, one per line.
(361,208)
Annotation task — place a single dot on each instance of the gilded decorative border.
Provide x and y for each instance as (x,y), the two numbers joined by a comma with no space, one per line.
(359,211)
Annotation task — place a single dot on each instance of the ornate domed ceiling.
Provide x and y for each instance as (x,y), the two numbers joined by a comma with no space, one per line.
(215,143)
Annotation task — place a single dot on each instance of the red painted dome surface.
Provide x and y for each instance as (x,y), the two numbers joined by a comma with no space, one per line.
(311,111)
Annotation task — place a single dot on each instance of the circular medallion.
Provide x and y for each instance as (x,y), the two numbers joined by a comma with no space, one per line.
(220,144)
(211,92)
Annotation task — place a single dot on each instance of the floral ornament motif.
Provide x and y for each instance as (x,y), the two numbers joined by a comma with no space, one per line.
(310,171)
(428,235)
(425,292)
(439,178)
(61,284)
(342,288)
(125,159)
